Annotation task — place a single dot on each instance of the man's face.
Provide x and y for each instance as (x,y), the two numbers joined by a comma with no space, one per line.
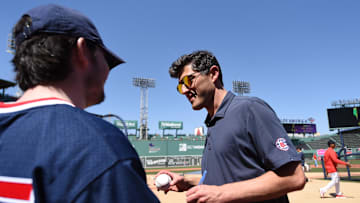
(332,146)
(96,78)
(200,93)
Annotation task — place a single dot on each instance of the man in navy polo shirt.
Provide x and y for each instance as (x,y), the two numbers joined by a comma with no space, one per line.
(51,150)
(248,156)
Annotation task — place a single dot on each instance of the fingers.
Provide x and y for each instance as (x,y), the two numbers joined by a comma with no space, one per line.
(159,173)
(193,190)
(164,172)
(174,176)
(204,193)
(198,197)
(176,181)
(193,194)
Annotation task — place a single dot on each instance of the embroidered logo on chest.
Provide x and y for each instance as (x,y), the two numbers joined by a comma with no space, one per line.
(281,144)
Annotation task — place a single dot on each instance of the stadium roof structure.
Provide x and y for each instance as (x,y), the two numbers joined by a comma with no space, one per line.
(5,84)
(351,130)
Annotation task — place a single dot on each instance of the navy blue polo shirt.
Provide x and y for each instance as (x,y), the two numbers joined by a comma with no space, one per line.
(245,139)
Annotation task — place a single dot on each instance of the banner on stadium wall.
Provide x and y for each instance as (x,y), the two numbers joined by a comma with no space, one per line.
(320,152)
(176,125)
(170,161)
(155,161)
(130,124)
(168,147)
(184,147)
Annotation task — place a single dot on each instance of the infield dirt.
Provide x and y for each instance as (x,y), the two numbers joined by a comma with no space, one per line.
(310,194)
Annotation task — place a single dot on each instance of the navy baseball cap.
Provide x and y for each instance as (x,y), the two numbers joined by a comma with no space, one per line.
(55,19)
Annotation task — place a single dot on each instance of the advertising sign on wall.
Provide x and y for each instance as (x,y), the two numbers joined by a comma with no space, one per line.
(177,125)
(129,124)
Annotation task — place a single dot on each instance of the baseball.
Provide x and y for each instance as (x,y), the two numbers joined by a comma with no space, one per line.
(162,182)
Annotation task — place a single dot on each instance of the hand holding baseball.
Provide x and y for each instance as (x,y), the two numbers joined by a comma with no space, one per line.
(177,182)
(162,181)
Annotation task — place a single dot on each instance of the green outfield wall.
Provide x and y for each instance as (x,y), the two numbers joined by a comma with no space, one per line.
(168,147)
(169,152)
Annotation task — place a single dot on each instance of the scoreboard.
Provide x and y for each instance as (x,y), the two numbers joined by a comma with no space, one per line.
(343,117)
(300,128)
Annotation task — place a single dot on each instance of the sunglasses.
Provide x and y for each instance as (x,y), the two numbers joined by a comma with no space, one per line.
(185,82)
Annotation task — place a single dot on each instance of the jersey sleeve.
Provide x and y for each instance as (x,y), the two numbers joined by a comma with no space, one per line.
(335,159)
(124,182)
(271,141)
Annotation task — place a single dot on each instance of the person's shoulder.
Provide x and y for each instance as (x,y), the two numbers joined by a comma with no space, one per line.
(249,103)
(248,100)
(329,151)
(101,128)
(92,132)
(83,119)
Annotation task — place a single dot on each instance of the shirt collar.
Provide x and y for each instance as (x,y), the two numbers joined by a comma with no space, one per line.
(220,113)
(9,107)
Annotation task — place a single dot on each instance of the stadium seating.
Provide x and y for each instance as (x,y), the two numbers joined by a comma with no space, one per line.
(351,140)
(314,143)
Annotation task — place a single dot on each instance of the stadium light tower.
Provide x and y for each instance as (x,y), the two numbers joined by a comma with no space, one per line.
(144,84)
(241,87)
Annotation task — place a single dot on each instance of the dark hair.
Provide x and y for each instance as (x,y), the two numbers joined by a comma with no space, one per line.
(330,142)
(43,58)
(201,62)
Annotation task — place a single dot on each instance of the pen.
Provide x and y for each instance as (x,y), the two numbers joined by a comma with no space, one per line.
(202,178)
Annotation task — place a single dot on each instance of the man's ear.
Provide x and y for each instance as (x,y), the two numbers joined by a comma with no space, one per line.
(214,73)
(82,53)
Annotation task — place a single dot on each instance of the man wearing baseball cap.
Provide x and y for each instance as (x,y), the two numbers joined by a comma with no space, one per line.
(331,160)
(51,149)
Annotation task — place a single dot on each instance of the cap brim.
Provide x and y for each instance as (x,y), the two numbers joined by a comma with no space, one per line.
(112,59)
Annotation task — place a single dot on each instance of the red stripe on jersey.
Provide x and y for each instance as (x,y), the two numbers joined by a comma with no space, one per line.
(8,105)
(20,191)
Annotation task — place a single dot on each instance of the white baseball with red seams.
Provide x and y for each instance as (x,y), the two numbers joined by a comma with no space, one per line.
(162,182)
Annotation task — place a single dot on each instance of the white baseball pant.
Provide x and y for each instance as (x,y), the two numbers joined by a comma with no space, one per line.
(335,180)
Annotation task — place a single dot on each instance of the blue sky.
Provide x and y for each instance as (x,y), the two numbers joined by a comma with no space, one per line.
(298,55)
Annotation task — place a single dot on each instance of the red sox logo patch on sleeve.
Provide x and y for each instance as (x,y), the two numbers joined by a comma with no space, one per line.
(281,144)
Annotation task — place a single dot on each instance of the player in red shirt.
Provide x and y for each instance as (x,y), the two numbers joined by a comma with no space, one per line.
(331,160)
(315,160)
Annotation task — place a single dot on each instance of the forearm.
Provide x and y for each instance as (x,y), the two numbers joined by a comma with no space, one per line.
(268,186)
(338,161)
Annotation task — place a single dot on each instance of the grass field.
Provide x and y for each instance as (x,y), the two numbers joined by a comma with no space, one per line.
(352,161)
(316,170)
